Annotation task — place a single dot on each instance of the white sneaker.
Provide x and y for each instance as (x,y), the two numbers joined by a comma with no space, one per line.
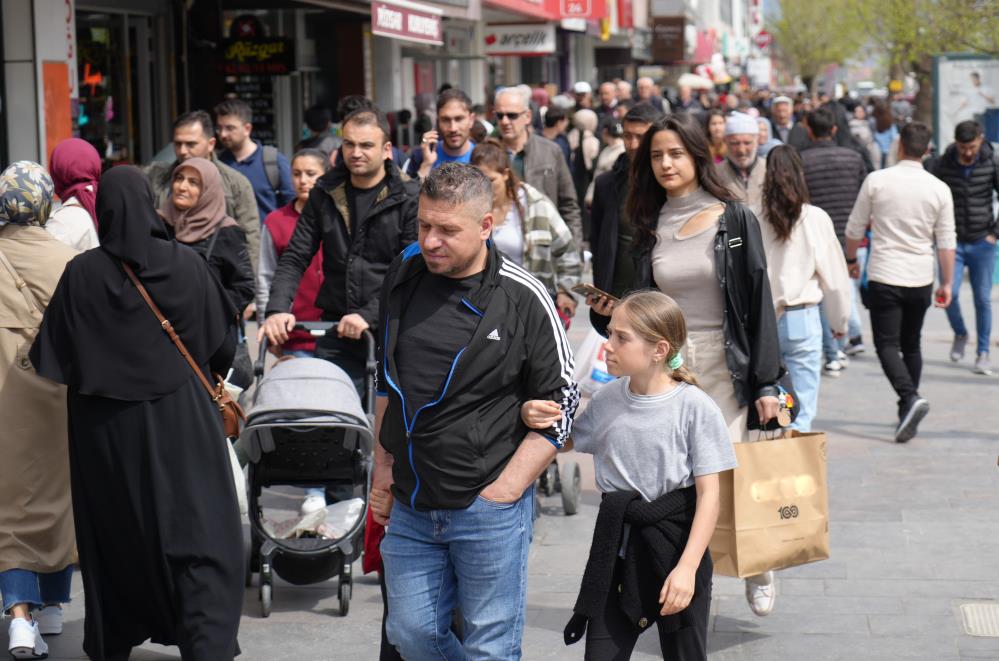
(761,592)
(312,504)
(49,620)
(843,359)
(833,368)
(26,641)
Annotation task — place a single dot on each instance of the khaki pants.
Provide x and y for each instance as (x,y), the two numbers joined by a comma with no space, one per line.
(704,355)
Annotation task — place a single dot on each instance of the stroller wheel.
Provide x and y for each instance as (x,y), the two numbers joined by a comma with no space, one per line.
(570,479)
(248,579)
(344,593)
(265,599)
(549,479)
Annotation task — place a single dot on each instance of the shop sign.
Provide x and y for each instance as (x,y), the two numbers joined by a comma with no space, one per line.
(641,45)
(407,20)
(263,56)
(520,39)
(625,15)
(668,39)
(590,10)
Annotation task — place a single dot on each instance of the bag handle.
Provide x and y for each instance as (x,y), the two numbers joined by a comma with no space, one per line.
(169,330)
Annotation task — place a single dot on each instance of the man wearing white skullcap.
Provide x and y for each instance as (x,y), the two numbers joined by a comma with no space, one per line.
(743,170)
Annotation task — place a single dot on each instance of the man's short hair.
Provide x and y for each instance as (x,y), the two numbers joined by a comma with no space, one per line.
(967,131)
(516,91)
(644,112)
(821,121)
(453,94)
(352,102)
(553,116)
(318,118)
(196,117)
(369,117)
(458,184)
(237,107)
(915,139)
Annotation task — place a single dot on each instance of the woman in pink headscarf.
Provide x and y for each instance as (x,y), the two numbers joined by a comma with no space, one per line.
(75,167)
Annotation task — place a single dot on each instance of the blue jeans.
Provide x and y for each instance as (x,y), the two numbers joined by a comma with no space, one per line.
(21,586)
(980,258)
(473,559)
(830,345)
(799,334)
(855,327)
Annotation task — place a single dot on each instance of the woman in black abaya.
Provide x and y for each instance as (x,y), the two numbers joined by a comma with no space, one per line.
(157,520)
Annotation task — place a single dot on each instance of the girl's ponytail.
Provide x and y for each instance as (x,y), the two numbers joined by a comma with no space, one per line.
(684,373)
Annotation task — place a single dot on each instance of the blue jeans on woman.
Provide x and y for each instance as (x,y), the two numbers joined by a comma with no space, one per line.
(800,335)
(35,589)
(473,559)
(980,258)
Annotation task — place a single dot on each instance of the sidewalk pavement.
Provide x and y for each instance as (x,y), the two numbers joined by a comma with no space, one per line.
(914,535)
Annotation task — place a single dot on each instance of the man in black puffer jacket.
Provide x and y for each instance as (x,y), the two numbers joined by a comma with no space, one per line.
(361,214)
(834,175)
(970,167)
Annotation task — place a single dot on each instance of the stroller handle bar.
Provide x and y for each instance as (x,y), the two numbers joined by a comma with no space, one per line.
(321,329)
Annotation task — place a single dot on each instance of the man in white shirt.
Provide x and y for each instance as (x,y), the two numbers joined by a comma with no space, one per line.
(908,210)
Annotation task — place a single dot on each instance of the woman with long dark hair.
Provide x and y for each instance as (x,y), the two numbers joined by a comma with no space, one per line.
(704,250)
(806,267)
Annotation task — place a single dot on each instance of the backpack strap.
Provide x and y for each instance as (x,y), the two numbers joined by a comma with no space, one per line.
(271,167)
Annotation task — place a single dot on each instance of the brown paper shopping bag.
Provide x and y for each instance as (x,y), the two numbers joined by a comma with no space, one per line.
(774,506)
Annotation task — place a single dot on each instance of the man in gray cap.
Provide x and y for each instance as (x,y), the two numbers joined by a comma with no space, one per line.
(742,172)
(785,128)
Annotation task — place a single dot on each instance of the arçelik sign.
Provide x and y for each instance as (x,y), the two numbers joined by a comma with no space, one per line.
(520,39)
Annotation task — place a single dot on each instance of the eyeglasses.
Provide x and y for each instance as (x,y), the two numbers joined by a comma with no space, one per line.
(500,116)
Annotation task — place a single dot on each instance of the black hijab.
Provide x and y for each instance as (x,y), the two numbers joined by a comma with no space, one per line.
(98,336)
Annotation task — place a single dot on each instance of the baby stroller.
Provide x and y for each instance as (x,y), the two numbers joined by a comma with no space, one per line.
(306,428)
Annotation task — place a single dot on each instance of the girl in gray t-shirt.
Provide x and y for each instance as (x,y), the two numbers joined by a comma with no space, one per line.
(652,431)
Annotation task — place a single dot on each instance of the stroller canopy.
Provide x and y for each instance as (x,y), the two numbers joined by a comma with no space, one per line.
(304,393)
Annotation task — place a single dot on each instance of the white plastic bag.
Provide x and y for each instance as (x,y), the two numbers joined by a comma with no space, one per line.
(591,366)
(238,479)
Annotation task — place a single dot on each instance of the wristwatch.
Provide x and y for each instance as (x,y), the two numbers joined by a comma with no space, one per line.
(851,260)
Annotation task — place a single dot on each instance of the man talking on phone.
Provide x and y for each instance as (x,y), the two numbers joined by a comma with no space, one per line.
(449,141)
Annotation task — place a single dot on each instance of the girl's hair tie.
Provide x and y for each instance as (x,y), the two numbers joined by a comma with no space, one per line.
(676,362)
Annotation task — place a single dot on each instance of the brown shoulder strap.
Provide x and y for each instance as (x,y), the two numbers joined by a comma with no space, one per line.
(168,328)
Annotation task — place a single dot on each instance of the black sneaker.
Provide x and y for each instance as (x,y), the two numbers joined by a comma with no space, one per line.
(909,423)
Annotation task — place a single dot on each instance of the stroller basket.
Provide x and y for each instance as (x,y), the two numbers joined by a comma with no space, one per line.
(307,454)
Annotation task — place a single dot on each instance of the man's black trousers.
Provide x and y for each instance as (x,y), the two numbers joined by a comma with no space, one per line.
(897,315)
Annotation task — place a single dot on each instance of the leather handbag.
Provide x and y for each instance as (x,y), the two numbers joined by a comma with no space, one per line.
(232,413)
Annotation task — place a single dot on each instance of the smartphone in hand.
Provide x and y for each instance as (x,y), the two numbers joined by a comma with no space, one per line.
(586,289)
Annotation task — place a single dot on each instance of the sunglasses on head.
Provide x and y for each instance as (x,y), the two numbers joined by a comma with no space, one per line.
(508,115)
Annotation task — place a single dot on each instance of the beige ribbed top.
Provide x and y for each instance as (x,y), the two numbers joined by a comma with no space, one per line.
(684,268)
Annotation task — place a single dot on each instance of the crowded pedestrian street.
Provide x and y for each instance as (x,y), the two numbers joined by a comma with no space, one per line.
(499,330)
(911,533)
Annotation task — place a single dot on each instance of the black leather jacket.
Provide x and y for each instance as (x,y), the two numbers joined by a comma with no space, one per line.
(752,350)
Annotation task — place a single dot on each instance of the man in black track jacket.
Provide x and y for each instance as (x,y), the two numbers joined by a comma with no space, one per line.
(970,167)
(467,337)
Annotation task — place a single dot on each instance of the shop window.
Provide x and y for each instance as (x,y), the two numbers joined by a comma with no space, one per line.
(113,110)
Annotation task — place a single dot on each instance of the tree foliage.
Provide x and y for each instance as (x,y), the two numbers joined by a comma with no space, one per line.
(811,35)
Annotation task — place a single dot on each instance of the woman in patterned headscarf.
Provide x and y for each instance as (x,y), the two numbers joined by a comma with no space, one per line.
(37,545)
